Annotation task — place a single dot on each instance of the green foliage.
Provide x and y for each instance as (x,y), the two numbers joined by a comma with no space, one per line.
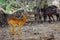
(6,4)
(8,9)
(22,0)
(15,4)
(2,2)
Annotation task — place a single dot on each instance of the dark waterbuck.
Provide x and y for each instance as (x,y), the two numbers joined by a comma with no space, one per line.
(50,11)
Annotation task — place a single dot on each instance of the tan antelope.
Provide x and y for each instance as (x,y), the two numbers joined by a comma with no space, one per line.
(13,22)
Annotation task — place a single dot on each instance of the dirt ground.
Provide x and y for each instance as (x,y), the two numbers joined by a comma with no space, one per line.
(33,31)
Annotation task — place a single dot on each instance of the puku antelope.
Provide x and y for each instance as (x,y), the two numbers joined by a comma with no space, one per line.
(13,22)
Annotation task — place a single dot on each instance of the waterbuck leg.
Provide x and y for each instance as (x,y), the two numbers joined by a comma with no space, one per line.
(53,18)
(49,19)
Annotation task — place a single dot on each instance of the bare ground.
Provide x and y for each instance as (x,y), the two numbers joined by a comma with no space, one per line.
(33,32)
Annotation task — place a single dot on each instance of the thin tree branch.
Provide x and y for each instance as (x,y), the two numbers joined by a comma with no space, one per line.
(10,12)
